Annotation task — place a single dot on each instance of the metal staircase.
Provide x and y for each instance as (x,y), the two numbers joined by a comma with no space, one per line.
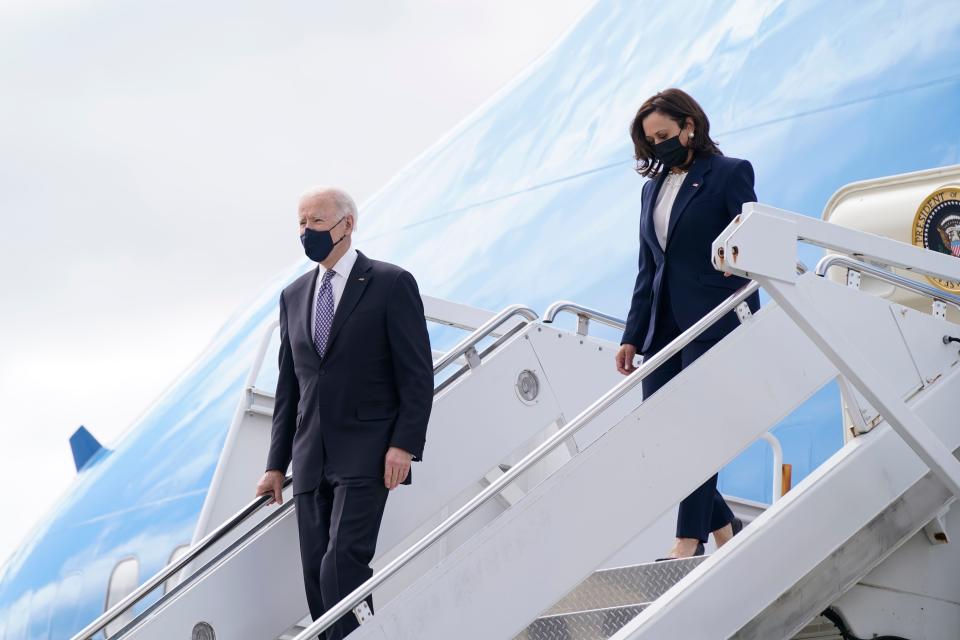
(501,391)
(846,519)
(610,598)
(544,464)
(642,466)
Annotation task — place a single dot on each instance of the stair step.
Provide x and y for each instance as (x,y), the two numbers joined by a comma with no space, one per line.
(622,586)
(595,624)
(606,601)
(600,624)
(600,605)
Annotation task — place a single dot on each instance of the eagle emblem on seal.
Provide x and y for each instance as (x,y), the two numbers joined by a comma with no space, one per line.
(937,227)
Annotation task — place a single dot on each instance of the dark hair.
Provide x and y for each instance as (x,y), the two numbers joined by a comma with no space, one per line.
(677,105)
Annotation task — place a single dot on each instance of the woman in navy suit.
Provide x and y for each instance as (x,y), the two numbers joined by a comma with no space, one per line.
(693,193)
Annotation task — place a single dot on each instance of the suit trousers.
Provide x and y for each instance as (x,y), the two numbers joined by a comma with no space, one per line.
(338,523)
(704,510)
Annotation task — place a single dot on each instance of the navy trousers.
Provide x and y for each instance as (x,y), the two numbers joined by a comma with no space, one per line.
(704,510)
(338,523)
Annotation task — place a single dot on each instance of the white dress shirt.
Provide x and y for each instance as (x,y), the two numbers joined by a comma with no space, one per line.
(339,282)
(665,199)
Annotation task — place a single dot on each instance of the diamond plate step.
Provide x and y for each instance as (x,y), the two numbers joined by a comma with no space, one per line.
(623,586)
(597,624)
(606,601)
(600,605)
(601,624)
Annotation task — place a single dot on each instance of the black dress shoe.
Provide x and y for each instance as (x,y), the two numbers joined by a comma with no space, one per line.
(698,552)
(737,525)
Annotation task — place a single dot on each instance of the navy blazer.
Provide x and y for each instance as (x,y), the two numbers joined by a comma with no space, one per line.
(711,195)
(337,416)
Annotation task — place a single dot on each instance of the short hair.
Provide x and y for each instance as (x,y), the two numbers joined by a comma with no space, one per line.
(341,199)
(677,105)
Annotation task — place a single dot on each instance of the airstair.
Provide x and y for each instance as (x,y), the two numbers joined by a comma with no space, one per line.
(501,390)
(610,598)
(555,468)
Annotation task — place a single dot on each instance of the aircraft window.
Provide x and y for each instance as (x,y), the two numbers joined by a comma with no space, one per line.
(178,553)
(123,581)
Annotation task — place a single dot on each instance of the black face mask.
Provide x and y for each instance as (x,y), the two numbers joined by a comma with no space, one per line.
(670,152)
(318,244)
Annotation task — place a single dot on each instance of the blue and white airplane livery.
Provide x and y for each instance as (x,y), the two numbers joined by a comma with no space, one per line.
(534,198)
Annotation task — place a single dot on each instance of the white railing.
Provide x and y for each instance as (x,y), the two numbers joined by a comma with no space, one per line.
(351,601)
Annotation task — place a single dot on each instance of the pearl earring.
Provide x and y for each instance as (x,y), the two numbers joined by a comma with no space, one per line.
(691,135)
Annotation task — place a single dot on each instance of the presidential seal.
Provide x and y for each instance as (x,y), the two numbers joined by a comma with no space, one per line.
(937,227)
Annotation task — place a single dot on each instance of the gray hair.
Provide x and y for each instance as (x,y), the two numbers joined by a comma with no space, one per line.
(341,199)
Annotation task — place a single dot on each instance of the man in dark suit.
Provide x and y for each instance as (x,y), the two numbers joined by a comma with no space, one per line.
(353,398)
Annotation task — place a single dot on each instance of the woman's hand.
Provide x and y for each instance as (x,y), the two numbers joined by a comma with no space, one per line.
(625,357)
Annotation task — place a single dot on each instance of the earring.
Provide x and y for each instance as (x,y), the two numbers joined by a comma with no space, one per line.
(691,135)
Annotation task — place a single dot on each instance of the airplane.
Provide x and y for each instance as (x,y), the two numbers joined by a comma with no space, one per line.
(534,198)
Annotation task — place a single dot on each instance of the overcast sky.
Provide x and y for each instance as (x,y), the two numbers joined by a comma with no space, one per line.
(151,155)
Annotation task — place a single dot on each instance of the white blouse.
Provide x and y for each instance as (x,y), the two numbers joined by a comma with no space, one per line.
(661,210)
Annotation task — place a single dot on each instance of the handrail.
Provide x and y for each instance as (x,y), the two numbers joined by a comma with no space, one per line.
(228,550)
(247,405)
(467,346)
(584,316)
(604,402)
(462,348)
(835,260)
(171,569)
(261,354)
(777,449)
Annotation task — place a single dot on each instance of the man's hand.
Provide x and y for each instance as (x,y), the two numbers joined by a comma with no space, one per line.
(625,357)
(396,467)
(271,484)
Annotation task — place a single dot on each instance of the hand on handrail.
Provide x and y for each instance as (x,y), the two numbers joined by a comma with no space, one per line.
(271,484)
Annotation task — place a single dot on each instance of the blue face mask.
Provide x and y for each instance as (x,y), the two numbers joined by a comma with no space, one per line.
(318,244)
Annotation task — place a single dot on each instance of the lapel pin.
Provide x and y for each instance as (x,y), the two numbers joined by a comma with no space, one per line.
(361,279)
(696,184)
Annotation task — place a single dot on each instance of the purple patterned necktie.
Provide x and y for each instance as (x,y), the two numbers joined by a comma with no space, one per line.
(324,313)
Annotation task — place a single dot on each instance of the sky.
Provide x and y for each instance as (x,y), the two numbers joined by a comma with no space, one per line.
(151,156)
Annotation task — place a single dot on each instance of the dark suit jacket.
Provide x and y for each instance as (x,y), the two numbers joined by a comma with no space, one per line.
(711,195)
(373,389)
